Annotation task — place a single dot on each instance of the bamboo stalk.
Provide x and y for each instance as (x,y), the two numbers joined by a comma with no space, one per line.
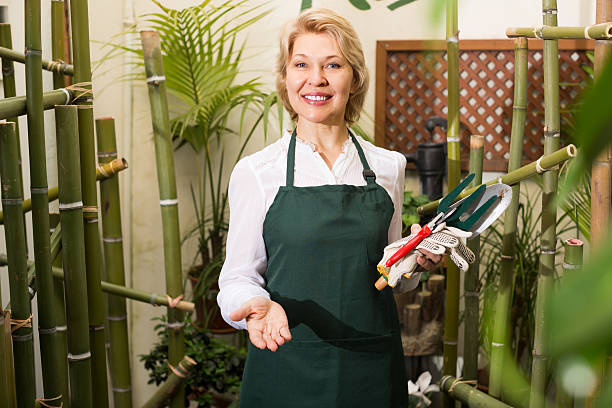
(7,385)
(593,32)
(79,19)
(173,384)
(547,163)
(468,395)
(129,293)
(40,202)
(14,230)
(470,282)
(73,255)
(549,211)
(55,66)
(102,173)
(167,192)
(58,22)
(572,262)
(451,310)
(119,353)
(500,347)
(16,106)
(60,307)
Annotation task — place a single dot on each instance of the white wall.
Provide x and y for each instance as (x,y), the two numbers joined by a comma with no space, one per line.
(128,103)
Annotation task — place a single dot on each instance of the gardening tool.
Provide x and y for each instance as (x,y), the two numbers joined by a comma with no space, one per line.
(472,214)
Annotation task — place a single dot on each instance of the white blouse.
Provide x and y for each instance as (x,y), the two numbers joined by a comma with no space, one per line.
(252,188)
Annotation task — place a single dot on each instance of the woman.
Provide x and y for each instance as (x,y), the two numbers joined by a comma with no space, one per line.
(309,218)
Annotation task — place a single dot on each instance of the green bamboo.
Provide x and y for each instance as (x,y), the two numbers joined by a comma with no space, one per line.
(119,353)
(129,293)
(40,202)
(451,310)
(14,231)
(549,211)
(79,19)
(60,307)
(594,32)
(468,395)
(57,42)
(173,384)
(102,172)
(7,385)
(500,347)
(470,283)
(572,262)
(73,255)
(547,163)
(53,66)
(16,106)
(167,192)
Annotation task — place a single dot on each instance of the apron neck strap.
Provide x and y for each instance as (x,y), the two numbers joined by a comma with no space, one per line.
(368,174)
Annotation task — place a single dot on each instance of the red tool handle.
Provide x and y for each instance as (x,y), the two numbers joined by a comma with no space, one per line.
(409,246)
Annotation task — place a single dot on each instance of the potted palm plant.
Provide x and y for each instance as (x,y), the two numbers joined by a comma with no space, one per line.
(201,56)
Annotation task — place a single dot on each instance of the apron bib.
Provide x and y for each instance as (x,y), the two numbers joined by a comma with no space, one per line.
(323,244)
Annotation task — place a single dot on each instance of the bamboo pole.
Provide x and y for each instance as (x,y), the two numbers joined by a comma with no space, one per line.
(549,211)
(55,66)
(60,306)
(119,353)
(7,385)
(600,170)
(171,387)
(14,230)
(470,283)
(79,19)
(467,394)
(593,32)
(40,202)
(500,347)
(102,173)
(451,309)
(73,255)
(16,106)
(58,22)
(129,293)
(547,162)
(167,192)
(572,262)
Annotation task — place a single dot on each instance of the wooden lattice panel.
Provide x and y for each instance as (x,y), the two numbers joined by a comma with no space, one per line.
(415,89)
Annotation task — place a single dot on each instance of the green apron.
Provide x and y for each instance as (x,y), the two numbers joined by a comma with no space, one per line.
(323,244)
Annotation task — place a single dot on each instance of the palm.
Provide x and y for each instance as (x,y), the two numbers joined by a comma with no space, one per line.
(266,322)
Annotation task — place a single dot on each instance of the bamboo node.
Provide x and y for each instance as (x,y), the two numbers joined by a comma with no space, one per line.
(178,371)
(12,201)
(97,327)
(495,344)
(18,324)
(549,11)
(175,325)
(39,190)
(169,202)
(107,154)
(47,331)
(450,342)
(122,389)
(173,302)
(61,328)
(451,139)
(460,380)
(571,266)
(552,133)
(470,293)
(156,79)
(78,357)
(111,240)
(116,318)
(71,206)
(29,52)
(548,251)
(507,257)
(43,401)
(68,95)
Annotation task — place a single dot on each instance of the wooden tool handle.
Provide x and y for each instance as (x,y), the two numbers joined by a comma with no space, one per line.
(381,283)
(409,246)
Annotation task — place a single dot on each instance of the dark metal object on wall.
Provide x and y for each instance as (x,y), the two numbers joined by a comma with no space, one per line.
(430,160)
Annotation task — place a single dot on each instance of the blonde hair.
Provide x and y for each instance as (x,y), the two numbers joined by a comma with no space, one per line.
(324,21)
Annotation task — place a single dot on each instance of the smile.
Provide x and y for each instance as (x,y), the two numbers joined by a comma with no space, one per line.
(316,97)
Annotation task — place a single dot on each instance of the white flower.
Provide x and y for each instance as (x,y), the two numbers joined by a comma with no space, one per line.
(422,387)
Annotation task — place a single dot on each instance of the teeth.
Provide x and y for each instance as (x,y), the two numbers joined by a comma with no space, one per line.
(315,98)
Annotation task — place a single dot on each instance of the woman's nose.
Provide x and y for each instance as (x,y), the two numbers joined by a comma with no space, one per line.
(317,77)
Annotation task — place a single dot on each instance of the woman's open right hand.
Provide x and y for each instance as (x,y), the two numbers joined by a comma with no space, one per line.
(266,322)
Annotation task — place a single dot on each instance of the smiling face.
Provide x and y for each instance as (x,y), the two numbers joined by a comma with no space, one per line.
(318,80)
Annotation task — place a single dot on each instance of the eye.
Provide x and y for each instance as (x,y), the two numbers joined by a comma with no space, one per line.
(300,65)
(333,65)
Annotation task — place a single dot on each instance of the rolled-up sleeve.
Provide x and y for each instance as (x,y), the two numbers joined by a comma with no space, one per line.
(242,275)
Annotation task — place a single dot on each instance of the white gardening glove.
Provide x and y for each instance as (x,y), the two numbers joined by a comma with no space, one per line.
(443,240)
